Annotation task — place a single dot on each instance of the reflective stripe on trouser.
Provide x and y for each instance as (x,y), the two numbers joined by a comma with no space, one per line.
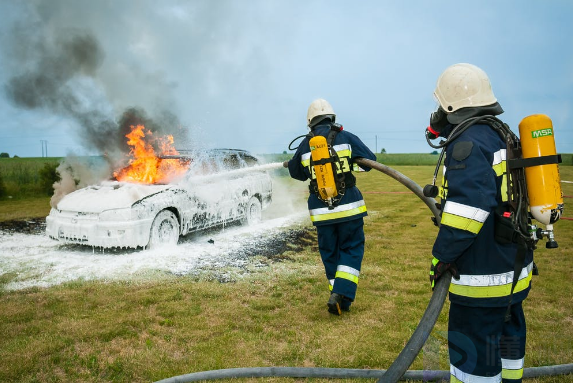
(341,247)
(330,284)
(340,211)
(483,347)
(348,273)
(458,376)
(512,369)
(491,285)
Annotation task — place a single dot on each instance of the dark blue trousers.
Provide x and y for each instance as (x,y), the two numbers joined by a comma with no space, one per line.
(341,247)
(481,343)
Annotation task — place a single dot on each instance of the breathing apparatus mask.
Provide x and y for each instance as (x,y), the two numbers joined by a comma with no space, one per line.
(443,124)
(438,124)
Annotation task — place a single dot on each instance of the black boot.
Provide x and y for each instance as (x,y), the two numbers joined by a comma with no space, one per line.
(345,304)
(334,304)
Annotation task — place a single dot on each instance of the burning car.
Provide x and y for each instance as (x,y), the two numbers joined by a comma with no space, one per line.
(212,188)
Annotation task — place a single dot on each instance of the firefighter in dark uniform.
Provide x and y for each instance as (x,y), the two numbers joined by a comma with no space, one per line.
(486,329)
(340,228)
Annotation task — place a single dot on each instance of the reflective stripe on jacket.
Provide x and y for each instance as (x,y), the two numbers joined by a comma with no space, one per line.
(491,285)
(474,185)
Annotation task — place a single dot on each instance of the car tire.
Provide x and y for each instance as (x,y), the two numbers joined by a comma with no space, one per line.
(164,230)
(253,212)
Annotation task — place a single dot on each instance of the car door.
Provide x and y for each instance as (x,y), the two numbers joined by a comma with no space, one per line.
(208,194)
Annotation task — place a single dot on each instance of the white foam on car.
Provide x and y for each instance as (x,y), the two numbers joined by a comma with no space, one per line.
(213,189)
(106,196)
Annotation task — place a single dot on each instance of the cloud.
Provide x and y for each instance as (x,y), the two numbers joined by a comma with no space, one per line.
(241,74)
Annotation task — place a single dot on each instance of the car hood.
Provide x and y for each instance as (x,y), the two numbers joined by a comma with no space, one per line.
(107,195)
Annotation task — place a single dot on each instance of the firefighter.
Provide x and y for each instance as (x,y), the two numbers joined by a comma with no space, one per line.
(486,328)
(338,220)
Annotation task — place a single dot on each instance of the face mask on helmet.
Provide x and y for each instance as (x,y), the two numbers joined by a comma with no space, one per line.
(438,123)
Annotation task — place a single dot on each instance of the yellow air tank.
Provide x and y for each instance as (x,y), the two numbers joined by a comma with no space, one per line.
(543,181)
(323,170)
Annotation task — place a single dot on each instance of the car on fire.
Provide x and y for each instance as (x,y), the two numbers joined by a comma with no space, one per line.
(219,187)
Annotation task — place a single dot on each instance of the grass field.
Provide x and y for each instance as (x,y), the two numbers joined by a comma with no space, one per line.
(276,316)
(24,208)
(414,159)
(22,177)
(406,159)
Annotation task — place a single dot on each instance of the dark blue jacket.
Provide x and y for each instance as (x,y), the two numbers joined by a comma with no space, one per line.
(348,147)
(474,185)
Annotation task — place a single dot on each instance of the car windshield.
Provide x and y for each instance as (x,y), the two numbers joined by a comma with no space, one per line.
(217,160)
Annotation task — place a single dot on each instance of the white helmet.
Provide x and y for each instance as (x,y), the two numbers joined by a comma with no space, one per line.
(462,86)
(319,107)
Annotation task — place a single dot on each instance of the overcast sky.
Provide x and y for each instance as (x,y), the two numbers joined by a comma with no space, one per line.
(241,73)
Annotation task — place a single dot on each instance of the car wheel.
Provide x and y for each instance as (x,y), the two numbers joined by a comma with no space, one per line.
(253,212)
(164,230)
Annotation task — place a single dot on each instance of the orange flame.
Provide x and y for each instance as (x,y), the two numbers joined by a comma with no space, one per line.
(145,166)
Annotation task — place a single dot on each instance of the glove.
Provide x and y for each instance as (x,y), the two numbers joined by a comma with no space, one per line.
(285,164)
(438,268)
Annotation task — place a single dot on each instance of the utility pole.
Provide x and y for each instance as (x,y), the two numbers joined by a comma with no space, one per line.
(376,143)
(44,148)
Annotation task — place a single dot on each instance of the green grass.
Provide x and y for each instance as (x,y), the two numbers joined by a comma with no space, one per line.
(276,316)
(22,177)
(386,159)
(21,209)
(401,159)
(416,159)
(567,159)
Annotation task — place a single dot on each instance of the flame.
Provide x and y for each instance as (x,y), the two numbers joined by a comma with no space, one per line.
(146,166)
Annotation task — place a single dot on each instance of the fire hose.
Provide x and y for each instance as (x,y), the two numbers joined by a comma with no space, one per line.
(398,370)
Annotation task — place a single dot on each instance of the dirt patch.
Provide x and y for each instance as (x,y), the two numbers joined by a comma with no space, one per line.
(29,226)
(295,240)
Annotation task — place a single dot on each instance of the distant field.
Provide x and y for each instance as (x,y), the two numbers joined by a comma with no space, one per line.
(567,159)
(32,177)
(22,177)
(387,159)
(400,159)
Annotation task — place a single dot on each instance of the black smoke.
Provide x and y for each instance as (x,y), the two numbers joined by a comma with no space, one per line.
(59,72)
(45,85)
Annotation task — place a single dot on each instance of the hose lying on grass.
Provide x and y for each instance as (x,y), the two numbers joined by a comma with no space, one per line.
(399,368)
(342,373)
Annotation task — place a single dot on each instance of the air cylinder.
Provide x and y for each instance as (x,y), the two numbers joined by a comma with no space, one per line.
(543,181)
(323,168)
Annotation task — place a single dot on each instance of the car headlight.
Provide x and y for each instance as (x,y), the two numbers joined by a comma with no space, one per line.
(115,215)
